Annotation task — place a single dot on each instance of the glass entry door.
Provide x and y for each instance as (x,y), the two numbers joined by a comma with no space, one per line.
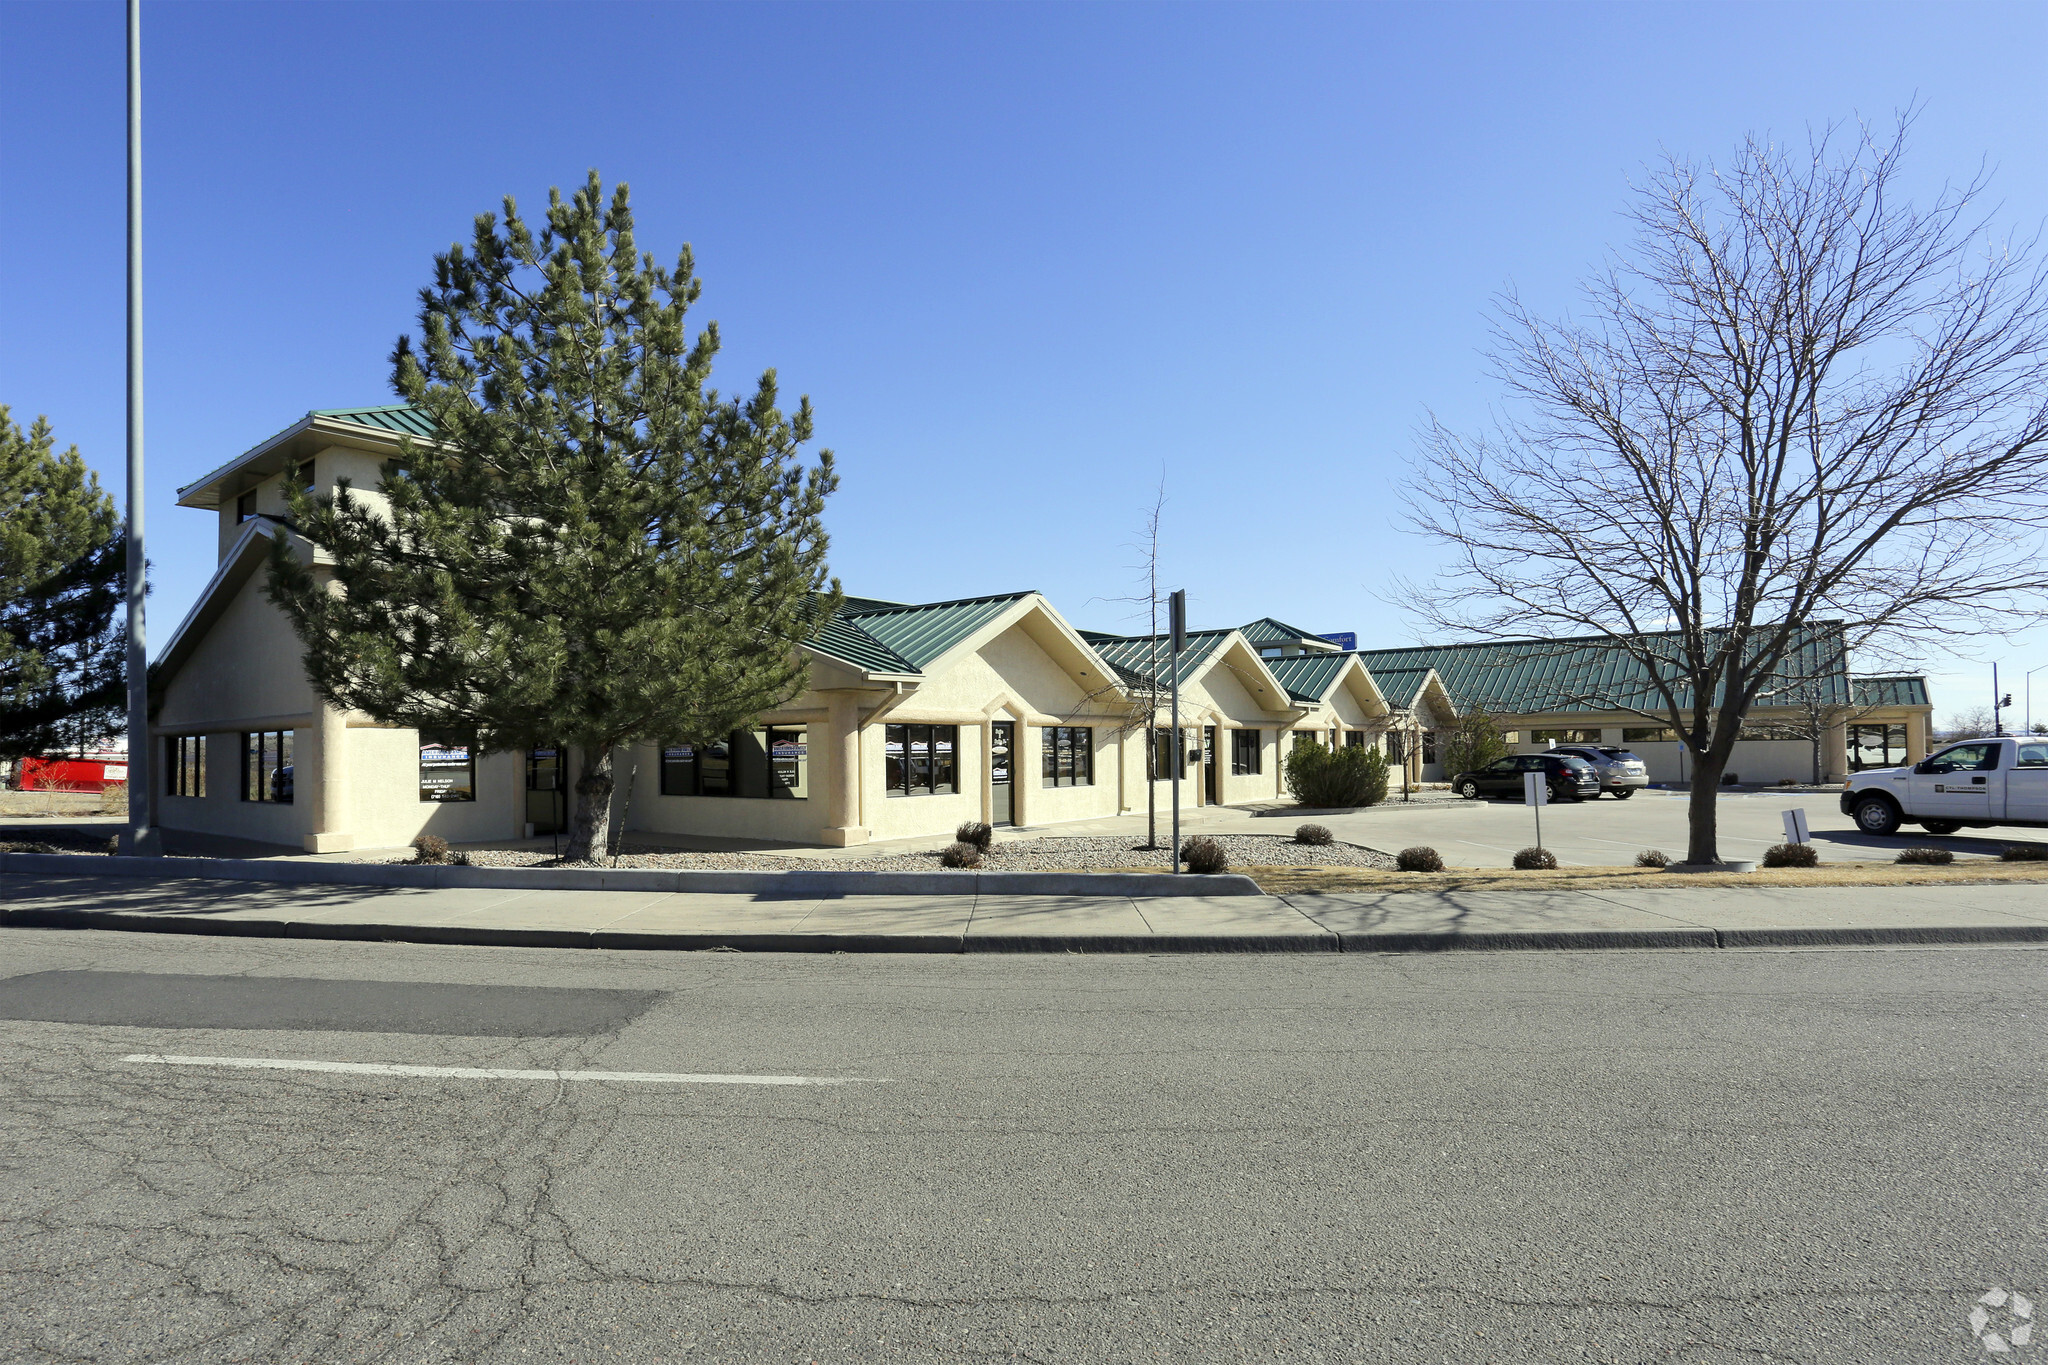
(1209,764)
(1002,747)
(546,794)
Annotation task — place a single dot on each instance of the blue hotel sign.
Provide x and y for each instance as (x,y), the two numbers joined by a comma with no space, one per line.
(1343,639)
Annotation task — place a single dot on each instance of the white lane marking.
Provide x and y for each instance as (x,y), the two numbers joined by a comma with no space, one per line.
(492,1073)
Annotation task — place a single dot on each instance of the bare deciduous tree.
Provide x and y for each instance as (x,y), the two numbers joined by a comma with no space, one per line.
(1798,397)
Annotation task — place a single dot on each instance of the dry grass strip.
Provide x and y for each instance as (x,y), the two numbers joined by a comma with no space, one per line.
(1278,881)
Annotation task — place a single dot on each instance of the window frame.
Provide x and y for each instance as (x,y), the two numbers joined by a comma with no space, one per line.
(185,765)
(917,742)
(261,787)
(1066,756)
(245,510)
(1247,752)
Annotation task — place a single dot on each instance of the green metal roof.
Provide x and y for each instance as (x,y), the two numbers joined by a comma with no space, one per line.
(1590,673)
(1130,654)
(399,417)
(844,640)
(1307,677)
(1896,691)
(1401,687)
(922,633)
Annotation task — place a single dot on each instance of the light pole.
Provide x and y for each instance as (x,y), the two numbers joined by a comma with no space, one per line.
(139,838)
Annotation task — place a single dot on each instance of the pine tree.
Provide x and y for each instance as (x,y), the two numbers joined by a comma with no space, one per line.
(62,579)
(594,549)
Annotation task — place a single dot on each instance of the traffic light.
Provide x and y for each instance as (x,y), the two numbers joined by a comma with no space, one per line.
(2005,701)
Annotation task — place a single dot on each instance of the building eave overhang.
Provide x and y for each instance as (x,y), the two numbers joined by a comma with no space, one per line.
(303,438)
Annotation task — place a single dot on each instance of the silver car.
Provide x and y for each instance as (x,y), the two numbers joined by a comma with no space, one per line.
(1621,772)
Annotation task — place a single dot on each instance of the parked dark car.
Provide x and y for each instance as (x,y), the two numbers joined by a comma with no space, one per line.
(1571,779)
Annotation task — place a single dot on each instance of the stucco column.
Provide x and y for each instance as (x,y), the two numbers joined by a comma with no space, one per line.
(1834,753)
(841,750)
(1916,736)
(327,784)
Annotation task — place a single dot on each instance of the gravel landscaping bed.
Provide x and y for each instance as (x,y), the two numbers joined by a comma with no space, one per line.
(1052,854)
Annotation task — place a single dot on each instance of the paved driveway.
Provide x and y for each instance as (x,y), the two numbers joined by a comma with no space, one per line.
(1608,832)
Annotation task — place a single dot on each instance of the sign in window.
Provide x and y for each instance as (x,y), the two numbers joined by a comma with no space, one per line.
(447,772)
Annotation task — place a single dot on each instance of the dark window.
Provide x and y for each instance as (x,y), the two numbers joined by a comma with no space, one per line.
(2031,756)
(447,770)
(1244,753)
(1876,746)
(544,770)
(267,766)
(185,765)
(1067,755)
(1397,748)
(1564,736)
(245,507)
(740,765)
(304,474)
(921,760)
(715,769)
(1354,739)
(1429,746)
(1650,735)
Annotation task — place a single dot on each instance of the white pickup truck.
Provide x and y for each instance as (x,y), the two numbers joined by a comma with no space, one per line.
(1977,783)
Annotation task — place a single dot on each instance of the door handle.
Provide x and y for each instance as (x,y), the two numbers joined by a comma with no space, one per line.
(1976,781)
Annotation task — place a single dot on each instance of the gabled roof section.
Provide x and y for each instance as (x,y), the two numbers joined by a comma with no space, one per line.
(920,634)
(1268,630)
(1892,691)
(843,640)
(1592,673)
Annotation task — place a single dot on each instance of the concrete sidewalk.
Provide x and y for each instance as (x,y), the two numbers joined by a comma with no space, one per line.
(1375,922)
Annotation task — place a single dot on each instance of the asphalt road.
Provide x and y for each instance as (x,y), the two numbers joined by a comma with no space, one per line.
(1607,832)
(1706,1157)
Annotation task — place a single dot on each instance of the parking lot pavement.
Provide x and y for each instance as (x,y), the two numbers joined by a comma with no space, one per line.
(1607,832)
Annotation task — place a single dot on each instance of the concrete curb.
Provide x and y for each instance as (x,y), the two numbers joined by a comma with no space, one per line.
(809,884)
(1551,940)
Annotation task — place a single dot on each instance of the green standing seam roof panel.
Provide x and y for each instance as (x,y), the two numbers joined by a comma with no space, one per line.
(1268,629)
(1898,691)
(1128,653)
(1585,674)
(1401,687)
(920,634)
(399,417)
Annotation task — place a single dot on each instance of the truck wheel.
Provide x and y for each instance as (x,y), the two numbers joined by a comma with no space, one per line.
(1941,826)
(1875,815)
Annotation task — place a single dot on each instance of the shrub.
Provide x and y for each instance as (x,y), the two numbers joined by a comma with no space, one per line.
(1730,779)
(430,848)
(113,846)
(1421,858)
(976,833)
(1791,855)
(114,799)
(961,854)
(1788,781)
(1535,860)
(1204,855)
(1653,857)
(1350,776)
(1314,834)
(1925,855)
(2025,853)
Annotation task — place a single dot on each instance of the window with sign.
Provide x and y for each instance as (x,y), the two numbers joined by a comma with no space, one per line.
(267,766)
(770,763)
(447,770)
(921,760)
(789,761)
(1067,756)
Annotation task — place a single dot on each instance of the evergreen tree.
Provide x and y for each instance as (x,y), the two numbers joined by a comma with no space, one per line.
(62,580)
(594,549)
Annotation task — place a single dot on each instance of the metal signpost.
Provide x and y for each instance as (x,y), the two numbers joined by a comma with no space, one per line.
(1536,795)
(1795,827)
(138,837)
(1177,623)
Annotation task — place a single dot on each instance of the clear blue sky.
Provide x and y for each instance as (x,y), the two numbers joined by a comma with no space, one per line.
(1022,258)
